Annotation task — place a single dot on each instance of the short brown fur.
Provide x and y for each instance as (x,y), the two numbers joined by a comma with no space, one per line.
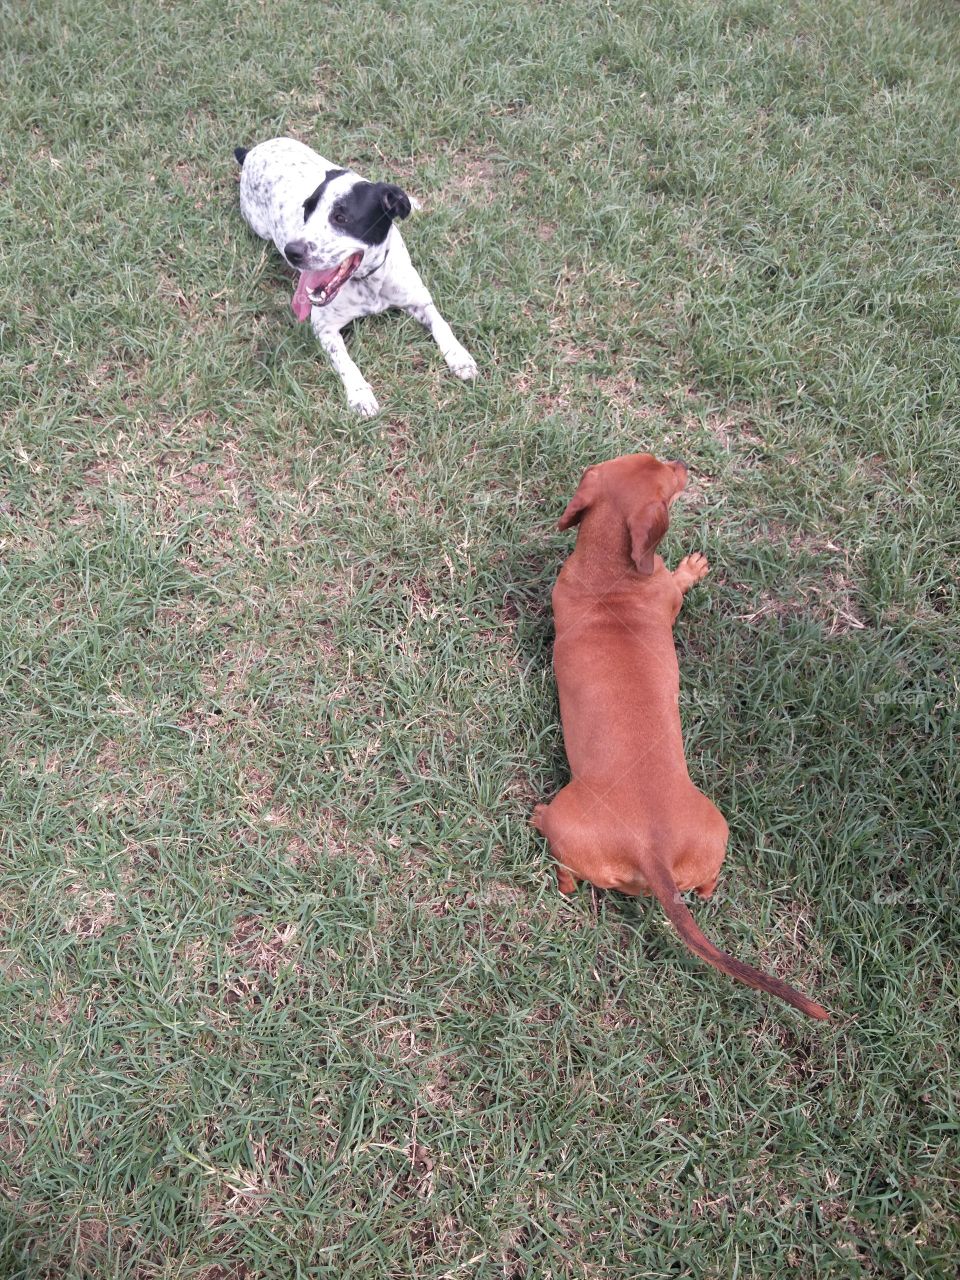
(631,819)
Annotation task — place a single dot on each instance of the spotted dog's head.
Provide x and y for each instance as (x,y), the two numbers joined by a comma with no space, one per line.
(344,221)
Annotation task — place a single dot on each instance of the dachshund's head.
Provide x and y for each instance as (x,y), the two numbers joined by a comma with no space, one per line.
(637,489)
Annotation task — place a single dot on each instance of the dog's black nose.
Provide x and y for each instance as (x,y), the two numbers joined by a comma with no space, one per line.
(295,252)
(678,462)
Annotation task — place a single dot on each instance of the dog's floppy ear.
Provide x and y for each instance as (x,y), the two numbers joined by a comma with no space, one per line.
(585,497)
(647,527)
(394,200)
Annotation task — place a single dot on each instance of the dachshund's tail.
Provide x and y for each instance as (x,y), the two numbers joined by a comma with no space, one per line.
(662,884)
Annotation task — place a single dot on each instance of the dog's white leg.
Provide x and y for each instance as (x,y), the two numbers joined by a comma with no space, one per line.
(359,392)
(458,358)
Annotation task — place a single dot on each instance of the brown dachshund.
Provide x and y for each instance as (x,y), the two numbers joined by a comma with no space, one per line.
(631,819)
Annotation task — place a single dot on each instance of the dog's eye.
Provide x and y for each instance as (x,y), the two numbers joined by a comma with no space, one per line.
(340,219)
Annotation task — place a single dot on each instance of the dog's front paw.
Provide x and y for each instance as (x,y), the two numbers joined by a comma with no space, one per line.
(462,363)
(696,565)
(363,401)
(690,570)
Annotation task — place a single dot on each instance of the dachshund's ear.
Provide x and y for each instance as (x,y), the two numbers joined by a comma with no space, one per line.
(585,497)
(647,527)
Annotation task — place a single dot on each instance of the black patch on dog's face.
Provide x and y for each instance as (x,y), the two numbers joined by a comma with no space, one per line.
(367,210)
(311,202)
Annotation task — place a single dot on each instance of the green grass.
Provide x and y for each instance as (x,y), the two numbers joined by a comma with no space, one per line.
(288,989)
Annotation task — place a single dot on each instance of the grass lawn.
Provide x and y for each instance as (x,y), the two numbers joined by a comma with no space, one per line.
(288,990)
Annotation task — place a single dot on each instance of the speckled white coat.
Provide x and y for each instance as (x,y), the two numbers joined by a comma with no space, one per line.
(277,178)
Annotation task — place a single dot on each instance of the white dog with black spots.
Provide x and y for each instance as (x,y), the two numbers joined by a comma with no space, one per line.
(339,232)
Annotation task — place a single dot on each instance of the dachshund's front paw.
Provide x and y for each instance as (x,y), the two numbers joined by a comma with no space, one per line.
(690,570)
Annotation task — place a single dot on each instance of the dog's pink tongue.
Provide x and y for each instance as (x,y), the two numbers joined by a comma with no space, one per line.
(301,303)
